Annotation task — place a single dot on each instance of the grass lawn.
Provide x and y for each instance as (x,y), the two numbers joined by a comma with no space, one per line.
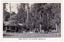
(30,35)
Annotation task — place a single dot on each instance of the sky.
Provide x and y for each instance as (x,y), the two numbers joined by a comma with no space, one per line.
(13,7)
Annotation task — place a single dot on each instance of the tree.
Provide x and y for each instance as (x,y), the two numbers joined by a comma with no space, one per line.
(46,14)
(42,15)
(6,14)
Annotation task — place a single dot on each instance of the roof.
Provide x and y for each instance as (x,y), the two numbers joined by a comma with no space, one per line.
(20,24)
(12,23)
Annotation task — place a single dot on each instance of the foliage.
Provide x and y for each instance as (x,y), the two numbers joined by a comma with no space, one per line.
(46,14)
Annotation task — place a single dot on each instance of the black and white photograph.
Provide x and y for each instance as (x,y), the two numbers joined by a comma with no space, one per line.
(31,20)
